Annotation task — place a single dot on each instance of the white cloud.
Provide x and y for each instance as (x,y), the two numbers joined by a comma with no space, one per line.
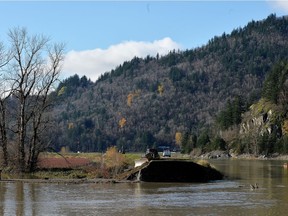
(93,63)
(279,4)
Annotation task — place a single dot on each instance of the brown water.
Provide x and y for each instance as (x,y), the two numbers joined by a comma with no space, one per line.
(228,197)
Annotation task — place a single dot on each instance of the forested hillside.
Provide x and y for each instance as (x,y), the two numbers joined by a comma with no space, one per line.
(161,100)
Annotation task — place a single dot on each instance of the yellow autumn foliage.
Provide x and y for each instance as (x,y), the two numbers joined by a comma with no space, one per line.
(178,138)
(122,122)
(285,127)
(160,89)
(129,99)
(114,160)
(131,96)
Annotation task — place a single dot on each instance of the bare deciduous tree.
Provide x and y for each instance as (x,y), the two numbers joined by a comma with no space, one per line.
(4,95)
(33,69)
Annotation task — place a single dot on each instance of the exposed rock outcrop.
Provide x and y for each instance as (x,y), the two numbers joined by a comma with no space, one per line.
(261,118)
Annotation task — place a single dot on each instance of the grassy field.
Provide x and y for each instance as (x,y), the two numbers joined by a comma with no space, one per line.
(93,157)
(84,165)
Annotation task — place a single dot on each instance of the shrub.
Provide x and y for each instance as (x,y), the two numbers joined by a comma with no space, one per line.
(115,161)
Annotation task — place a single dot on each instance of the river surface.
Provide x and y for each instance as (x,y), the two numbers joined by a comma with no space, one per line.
(231,196)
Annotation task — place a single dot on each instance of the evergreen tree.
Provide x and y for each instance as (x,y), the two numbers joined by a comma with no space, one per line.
(275,81)
(232,113)
(203,139)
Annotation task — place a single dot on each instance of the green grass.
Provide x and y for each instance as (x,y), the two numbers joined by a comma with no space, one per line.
(60,174)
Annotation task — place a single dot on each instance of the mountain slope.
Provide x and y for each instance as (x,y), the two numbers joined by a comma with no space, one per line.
(146,102)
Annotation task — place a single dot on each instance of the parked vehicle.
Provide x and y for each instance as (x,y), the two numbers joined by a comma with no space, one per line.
(166,153)
(152,154)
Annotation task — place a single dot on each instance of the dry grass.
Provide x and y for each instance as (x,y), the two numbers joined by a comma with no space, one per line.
(50,163)
(204,163)
(84,165)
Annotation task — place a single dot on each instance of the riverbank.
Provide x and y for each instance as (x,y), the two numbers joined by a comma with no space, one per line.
(217,154)
(99,168)
(162,170)
(75,167)
(66,181)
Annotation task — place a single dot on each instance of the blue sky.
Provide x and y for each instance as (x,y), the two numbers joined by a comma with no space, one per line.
(100,35)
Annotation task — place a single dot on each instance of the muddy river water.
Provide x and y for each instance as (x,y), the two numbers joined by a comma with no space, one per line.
(232,196)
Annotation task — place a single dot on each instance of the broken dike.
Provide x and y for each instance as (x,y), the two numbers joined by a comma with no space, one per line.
(170,170)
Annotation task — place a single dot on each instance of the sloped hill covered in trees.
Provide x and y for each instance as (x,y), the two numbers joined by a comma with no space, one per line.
(146,102)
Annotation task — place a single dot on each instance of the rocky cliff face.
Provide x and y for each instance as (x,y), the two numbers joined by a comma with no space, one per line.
(262,117)
(259,123)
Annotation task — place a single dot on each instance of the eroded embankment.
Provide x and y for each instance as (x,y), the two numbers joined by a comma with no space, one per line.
(172,171)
